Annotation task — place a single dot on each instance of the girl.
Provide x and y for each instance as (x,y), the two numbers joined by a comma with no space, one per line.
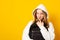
(40,28)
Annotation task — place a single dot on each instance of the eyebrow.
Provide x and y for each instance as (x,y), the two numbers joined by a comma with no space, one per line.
(41,13)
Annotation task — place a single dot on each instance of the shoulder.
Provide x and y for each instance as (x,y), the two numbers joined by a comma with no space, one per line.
(30,22)
(32,25)
(50,24)
(51,27)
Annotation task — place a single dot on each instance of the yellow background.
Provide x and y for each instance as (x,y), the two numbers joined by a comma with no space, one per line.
(15,15)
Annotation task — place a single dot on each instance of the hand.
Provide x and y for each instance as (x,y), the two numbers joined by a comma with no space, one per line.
(39,23)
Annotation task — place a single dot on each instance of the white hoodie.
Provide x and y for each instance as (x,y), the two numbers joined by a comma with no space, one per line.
(47,35)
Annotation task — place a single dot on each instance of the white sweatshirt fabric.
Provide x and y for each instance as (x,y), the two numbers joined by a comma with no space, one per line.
(47,35)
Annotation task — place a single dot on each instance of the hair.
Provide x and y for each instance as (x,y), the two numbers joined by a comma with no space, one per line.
(46,24)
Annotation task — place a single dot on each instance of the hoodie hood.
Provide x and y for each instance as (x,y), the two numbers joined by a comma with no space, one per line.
(42,7)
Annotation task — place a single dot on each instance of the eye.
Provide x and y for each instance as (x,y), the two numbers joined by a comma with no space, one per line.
(37,13)
(41,13)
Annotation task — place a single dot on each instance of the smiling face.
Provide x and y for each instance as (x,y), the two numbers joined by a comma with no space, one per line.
(40,15)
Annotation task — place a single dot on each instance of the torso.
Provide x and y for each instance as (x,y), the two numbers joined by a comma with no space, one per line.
(36,32)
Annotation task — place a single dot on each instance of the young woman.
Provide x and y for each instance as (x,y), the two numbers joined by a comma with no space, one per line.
(40,28)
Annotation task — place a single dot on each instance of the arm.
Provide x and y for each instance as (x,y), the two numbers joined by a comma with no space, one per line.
(25,35)
(51,30)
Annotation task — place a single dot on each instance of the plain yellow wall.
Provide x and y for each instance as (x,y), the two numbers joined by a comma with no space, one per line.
(15,15)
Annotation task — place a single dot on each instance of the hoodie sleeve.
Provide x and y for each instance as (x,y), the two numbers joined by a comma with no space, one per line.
(25,35)
(51,31)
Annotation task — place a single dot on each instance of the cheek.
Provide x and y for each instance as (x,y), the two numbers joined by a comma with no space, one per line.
(42,16)
(38,15)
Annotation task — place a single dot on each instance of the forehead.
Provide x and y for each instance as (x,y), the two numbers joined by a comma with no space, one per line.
(39,11)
